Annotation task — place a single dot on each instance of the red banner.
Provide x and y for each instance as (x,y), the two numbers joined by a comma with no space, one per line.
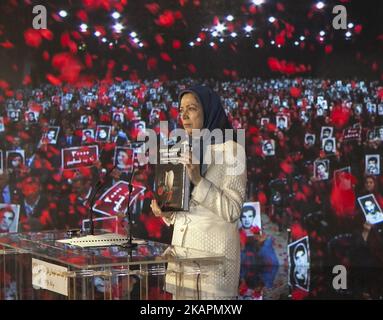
(114,201)
(77,157)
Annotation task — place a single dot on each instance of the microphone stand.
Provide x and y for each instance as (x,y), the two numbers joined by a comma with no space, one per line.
(97,188)
(129,244)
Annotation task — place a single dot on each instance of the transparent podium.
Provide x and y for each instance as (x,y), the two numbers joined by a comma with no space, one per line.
(38,266)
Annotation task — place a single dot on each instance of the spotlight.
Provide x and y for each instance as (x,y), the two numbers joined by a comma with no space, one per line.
(97,33)
(279,46)
(272,19)
(133,34)
(272,42)
(296,43)
(199,39)
(322,33)
(258,2)
(248,28)
(118,27)
(256,45)
(302,38)
(140,44)
(321,39)
(229,18)
(320,5)
(220,27)
(214,33)
(135,40)
(233,34)
(83,27)
(348,34)
(104,40)
(63,14)
(350,25)
(211,44)
(221,40)
(191,43)
(116,15)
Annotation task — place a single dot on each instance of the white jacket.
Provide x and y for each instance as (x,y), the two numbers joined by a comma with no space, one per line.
(211,223)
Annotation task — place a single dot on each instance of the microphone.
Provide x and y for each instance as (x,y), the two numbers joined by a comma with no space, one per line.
(99,185)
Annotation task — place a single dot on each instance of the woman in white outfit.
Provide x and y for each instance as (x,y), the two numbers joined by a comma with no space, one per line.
(218,193)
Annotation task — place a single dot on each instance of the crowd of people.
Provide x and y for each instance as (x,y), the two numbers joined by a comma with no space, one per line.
(314,149)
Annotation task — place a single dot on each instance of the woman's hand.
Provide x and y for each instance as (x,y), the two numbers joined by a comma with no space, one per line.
(157,210)
(193,169)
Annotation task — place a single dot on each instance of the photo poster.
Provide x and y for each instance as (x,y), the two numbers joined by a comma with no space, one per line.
(309,139)
(329,146)
(103,133)
(298,253)
(321,169)
(341,171)
(77,157)
(326,132)
(114,201)
(268,147)
(2,125)
(250,219)
(123,158)
(51,136)
(371,209)
(372,164)
(31,116)
(9,217)
(12,155)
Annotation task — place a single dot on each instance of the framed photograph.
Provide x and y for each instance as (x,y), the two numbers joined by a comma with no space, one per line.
(321,169)
(2,126)
(371,108)
(320,112)
(282,122)
(51,135)
(371,135)
(268,147)
(85,119)
(123,159)
(9,217)
(265,122)
(140,125)
(372,164)
(103,133)
(358,109)
(14,115)
(329,146)
(309,139)
(380,109)
(31,116)
(118,117)
(371,209)
(87,135)
(326,132)
(250,219)
(15,159)
(379,133)
(299,263)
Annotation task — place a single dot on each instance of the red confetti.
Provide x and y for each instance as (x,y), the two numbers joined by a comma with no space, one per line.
(32,38)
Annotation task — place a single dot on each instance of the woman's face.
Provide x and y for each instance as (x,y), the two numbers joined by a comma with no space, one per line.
(7,220)
(191,113)
(122,158)
(321,169)
(16,162)
(369,185)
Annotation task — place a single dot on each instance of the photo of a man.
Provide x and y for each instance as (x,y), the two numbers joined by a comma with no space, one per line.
(118,117)
(326,132)
(372,164)
(309,139)
(14,115)
(87,135)
(321,169)
(52,135)
(371,209)
(9,217)
(31,116)
(282,122)
(299,263)
(268,147)
(2,126)
(250,218)
(265,122)
(15,159)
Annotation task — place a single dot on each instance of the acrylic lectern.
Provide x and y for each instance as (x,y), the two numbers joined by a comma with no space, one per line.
(39,266)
